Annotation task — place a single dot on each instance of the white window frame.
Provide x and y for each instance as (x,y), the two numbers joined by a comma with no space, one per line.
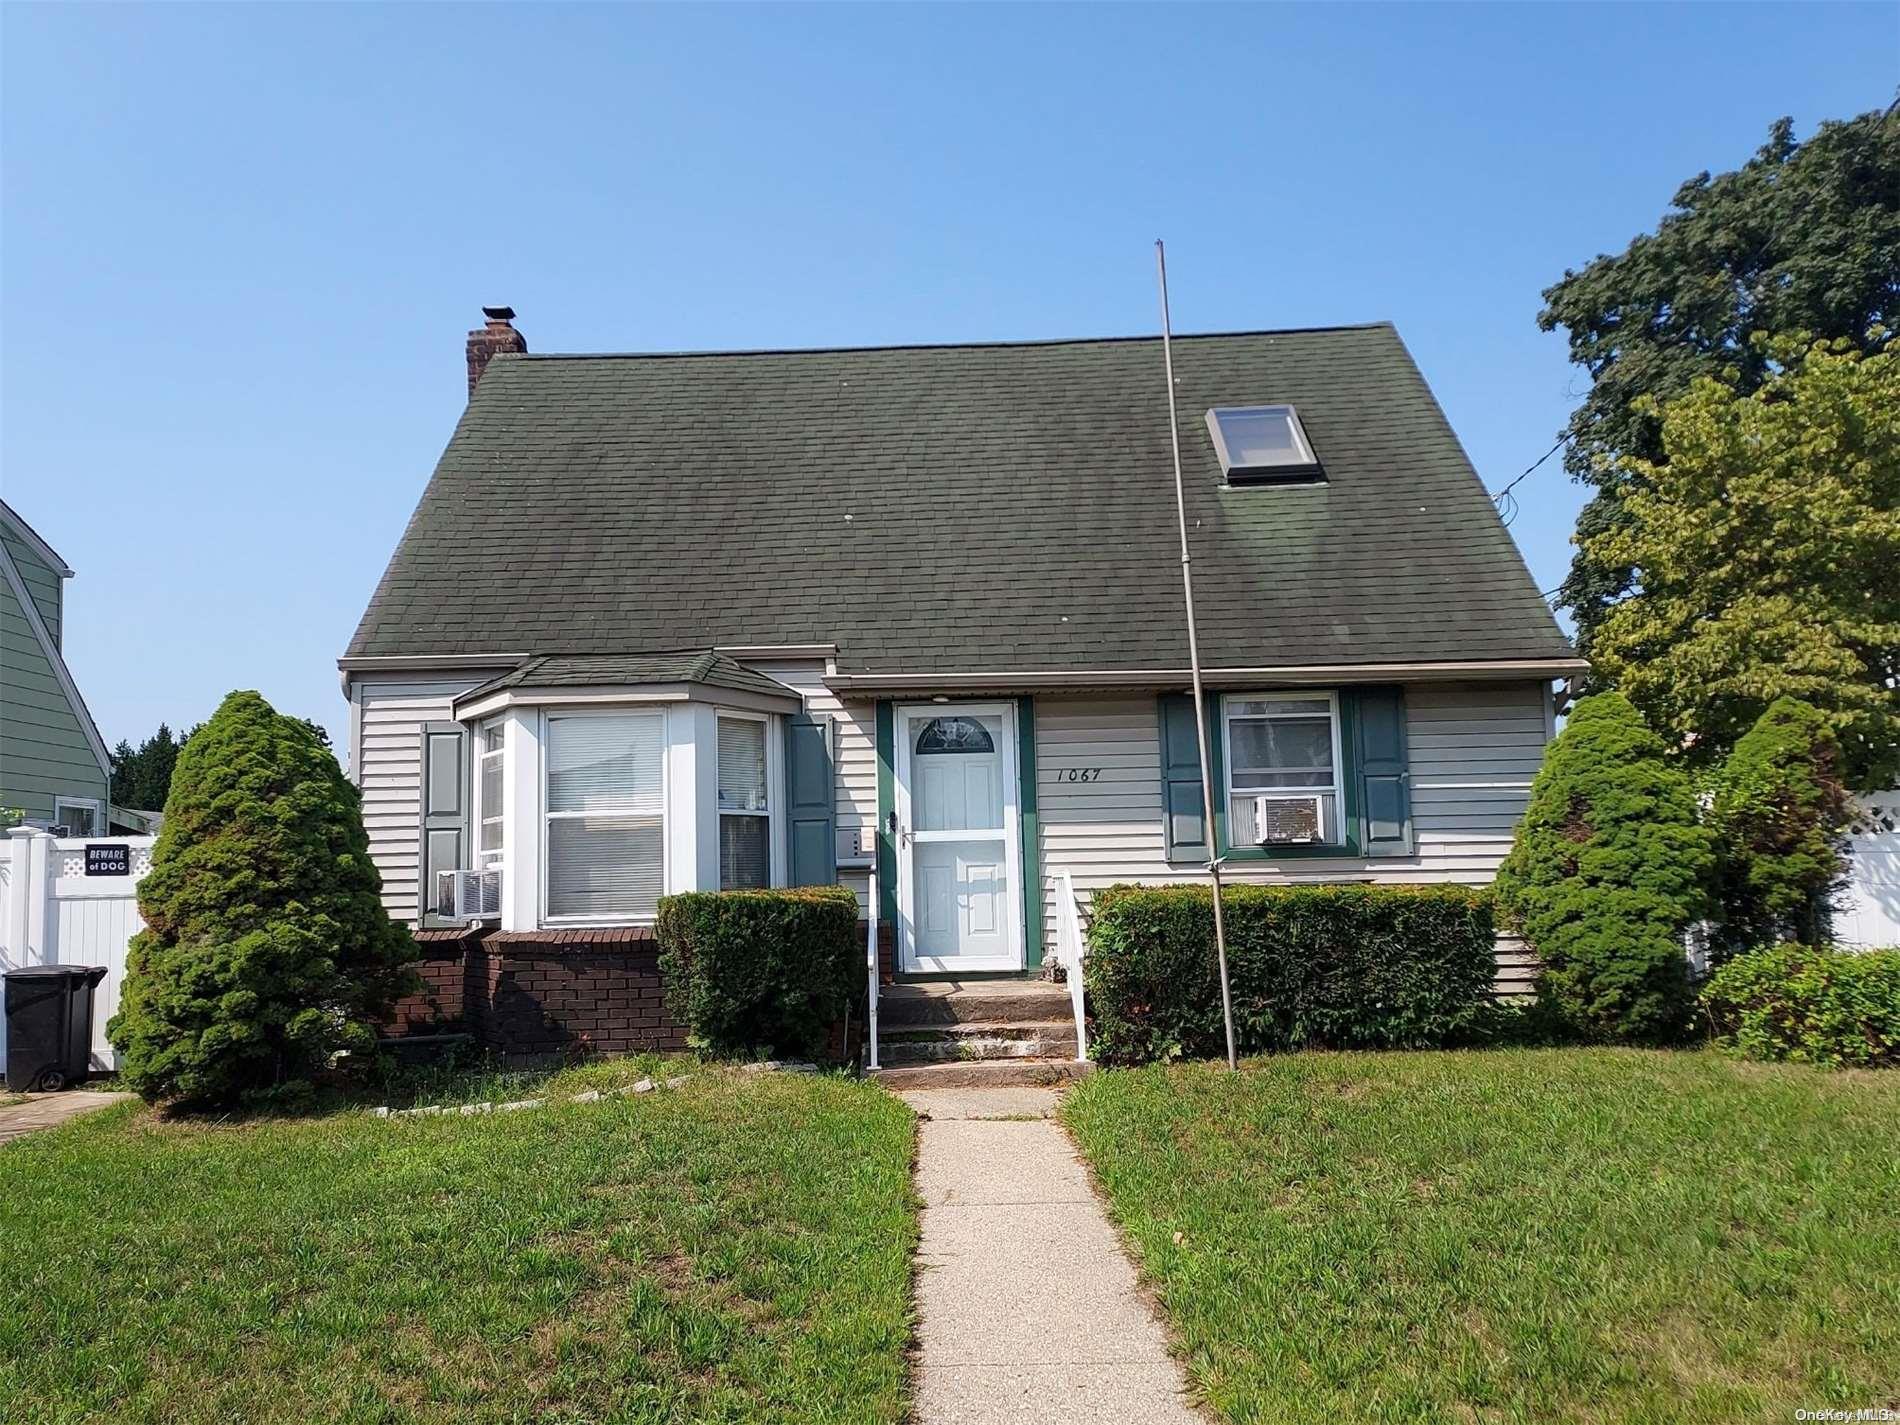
(1337,790)
(91,804)
(483,814)
(774,791)
(544,816)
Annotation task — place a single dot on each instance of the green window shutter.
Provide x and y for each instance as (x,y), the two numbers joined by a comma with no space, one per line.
(809,800)
(1183,818)
(1383,772)
(444,810)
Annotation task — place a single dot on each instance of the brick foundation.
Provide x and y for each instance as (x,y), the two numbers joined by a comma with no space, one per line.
(568,995)
(533,996)
(441,1006)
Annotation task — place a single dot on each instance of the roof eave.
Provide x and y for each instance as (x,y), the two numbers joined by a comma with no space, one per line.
(40,547)
(478,703)
(1460,671)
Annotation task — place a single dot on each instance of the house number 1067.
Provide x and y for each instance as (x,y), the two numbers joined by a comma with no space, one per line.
(1078,774)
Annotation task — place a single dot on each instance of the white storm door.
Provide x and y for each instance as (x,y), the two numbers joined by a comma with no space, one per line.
(958,858)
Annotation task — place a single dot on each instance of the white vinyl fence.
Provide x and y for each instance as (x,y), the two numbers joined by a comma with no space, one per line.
(72,902)
(1868,915)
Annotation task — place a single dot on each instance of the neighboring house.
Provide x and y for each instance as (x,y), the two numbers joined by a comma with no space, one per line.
(53,765)
(689,621)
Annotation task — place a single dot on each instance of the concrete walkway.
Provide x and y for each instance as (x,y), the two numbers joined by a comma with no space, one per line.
(43,1110)
(1028,1309)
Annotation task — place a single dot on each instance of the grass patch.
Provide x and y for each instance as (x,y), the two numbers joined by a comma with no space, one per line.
(734,1250)
(475,1080)
(1577,1235)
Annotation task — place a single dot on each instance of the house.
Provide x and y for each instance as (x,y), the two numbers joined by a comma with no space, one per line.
(54,769)
(714,619)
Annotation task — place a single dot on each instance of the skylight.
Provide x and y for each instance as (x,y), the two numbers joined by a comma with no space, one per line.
(1258,444)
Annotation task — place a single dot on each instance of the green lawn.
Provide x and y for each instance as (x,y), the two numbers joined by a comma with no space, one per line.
(737,1249)
(1557,1235)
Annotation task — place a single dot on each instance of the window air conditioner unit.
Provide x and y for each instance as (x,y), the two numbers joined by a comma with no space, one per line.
(1287,821)
(468,895)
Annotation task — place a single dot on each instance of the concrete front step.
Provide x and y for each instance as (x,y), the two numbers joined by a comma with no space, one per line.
(965,1042)
(990,1073)
(972,1002)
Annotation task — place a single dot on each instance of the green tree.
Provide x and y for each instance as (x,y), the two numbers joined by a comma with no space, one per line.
(1767,546)
(1804,237)
(1609,868)
(266,950)
(1781,812)
(142,778)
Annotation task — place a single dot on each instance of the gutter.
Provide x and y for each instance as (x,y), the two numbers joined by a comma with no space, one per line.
(420,663)
(1291,674)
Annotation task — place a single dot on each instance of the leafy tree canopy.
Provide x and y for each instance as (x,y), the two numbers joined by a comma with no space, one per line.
(1767,551)
(1804,237)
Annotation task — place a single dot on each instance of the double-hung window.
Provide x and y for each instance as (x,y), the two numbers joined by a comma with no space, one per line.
(605,816)
(79,815)
(745,811)
(1283,747)
(491,835)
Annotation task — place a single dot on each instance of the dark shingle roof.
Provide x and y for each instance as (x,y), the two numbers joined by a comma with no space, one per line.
(632,671)
(956,509)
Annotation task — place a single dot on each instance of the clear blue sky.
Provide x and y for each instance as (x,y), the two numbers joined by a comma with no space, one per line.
(242,245)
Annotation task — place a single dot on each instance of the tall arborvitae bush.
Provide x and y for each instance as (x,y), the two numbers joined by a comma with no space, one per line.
(1780,808)
(267,952)
(1610,867)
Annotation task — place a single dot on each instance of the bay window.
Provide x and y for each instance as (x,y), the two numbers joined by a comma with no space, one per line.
(491,832)
(745,812)
(1283,747)
(605,800)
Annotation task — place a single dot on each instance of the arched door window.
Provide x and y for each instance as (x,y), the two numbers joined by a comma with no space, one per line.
(955,734)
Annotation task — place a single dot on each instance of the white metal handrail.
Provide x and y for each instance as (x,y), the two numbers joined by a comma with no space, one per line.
(871,975)
(1072,948)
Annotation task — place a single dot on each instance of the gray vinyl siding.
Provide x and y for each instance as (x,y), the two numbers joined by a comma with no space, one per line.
(43,583)
(855,752)
(1473,748)
(386,763)
(44,751)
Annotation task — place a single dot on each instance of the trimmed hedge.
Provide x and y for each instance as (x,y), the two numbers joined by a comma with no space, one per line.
(757,973)
(1811,1006)
(1346,967)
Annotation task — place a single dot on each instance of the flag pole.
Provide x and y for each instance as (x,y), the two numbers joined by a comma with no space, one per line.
(1194,664)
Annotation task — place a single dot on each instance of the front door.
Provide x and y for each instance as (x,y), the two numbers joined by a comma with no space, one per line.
(958,857)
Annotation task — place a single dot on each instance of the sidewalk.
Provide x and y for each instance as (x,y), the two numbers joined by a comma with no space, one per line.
(1028,1309)
(43,1110)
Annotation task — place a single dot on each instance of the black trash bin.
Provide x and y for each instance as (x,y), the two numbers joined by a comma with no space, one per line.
(49,1026)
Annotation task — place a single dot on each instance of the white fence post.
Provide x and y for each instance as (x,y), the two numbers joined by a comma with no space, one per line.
(1074,951)
(26,897)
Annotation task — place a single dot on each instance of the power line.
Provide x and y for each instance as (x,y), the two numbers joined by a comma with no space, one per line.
(1505,500)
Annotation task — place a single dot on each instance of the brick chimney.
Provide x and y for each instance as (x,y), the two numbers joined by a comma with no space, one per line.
(486,341)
